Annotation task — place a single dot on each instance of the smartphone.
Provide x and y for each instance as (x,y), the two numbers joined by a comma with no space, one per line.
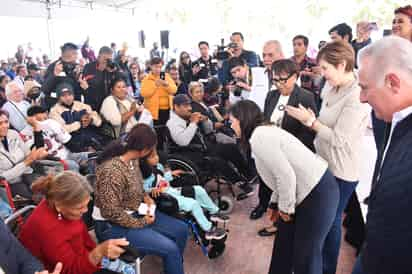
(162,75)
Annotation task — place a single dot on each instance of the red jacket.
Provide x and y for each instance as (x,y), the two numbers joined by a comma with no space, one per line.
(52,240)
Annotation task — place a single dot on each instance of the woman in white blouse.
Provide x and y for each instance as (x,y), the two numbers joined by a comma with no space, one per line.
(121,111)
(339,131)
(305,193)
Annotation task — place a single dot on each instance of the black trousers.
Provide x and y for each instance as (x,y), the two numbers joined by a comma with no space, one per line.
(22,188)
(232,154)
(161,132)
(226,153)
(354,223)
(264,194)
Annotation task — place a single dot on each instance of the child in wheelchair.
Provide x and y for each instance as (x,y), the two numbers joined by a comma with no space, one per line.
(191,199)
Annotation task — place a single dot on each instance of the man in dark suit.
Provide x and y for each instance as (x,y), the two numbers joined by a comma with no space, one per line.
(386,83)
(285,73)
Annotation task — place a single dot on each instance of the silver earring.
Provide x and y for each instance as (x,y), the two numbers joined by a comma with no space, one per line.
(59,216)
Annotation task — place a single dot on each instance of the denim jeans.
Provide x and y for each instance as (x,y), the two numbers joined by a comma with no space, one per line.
(166,238)
(332,243)
(298,244)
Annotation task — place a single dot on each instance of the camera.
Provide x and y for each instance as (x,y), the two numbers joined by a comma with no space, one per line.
(69,68)
(162,75)
(238,90)
(221,53)
(110,64)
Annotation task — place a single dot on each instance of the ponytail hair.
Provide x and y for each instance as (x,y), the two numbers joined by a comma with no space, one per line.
(114,149)
(141,137)
(67,188)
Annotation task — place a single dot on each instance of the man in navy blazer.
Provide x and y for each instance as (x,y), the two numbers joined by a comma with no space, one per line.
(385,78)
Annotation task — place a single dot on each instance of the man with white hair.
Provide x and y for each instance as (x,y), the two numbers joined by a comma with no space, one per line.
(272,51)
(16,106)
(385,77)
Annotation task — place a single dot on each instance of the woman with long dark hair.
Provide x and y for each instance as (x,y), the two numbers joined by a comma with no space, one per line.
(185,68)
(305,193)
(119,193)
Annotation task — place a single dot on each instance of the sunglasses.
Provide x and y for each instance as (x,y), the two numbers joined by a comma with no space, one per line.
(282,80)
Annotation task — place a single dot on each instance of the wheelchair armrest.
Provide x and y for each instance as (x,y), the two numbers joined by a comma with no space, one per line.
(19,213)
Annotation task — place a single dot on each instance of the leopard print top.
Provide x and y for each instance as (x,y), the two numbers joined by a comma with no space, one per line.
(119,188)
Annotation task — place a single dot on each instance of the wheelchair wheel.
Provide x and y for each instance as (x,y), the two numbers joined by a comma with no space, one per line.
(216,250)
(179,162)
(226,204)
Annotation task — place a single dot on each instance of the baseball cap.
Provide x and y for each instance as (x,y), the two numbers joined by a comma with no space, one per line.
(181,99)
(64,87)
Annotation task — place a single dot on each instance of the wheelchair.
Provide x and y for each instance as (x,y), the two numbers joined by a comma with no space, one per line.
(210,248)
(205,170)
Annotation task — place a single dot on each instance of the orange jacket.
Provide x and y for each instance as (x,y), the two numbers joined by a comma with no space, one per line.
(150,93)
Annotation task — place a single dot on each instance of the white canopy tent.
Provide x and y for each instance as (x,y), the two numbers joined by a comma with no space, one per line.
(50,23)
(50,20)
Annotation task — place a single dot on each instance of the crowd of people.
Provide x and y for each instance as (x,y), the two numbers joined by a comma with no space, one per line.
(293,125)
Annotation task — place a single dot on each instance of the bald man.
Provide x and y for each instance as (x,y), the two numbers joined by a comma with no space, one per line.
(272,51)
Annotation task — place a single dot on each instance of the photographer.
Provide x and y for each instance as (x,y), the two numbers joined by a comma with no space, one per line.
(235,49)
(98,77)
(240,87)
(204,67)
(64,69)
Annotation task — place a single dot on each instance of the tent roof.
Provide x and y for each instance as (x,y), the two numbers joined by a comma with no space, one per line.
(116,4)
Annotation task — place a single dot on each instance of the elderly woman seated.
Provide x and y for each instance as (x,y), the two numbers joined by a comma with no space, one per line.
(224,134)
(122,112)
(16,105)
(55,232)
(16,157)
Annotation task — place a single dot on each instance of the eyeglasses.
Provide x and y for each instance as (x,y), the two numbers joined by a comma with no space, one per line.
(279,80)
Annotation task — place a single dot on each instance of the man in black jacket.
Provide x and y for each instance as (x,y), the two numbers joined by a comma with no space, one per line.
(99,76)
(204,67)
(386,83)
(65,69)
(236,50)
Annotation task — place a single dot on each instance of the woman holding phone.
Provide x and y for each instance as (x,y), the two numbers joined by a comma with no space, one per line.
(121,111)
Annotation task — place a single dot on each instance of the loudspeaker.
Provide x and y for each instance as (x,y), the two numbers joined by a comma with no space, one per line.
(164,39)
(387,32)
(142,38)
